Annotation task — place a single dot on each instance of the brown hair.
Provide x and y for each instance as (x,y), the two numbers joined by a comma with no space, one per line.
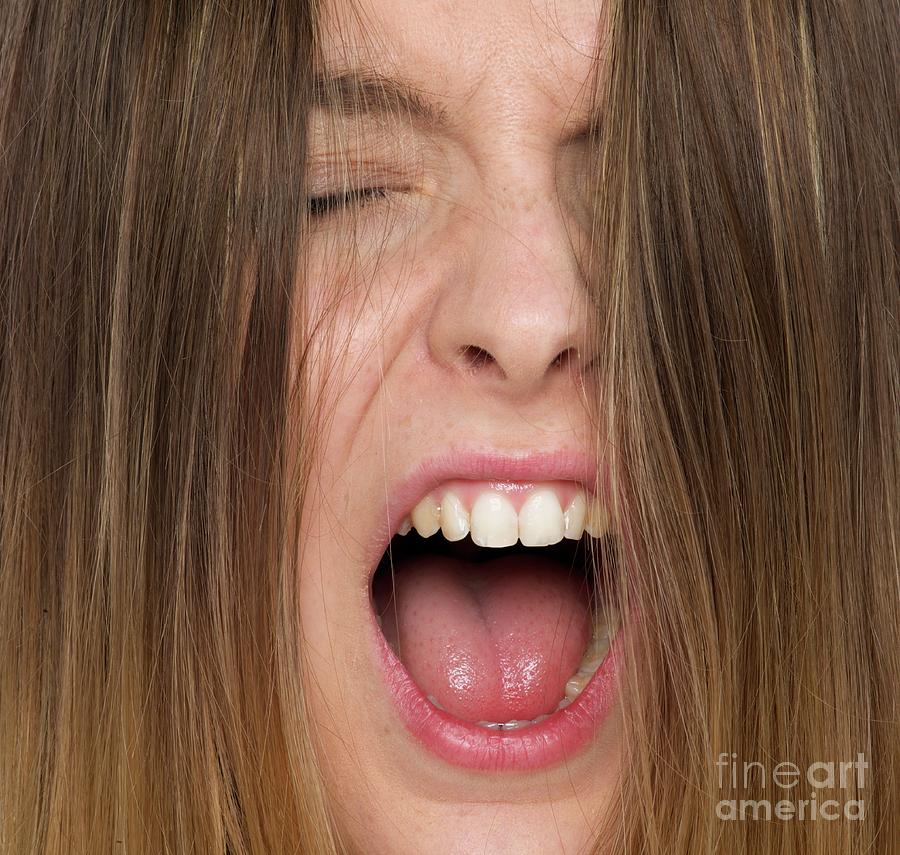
(743,268)
(745,272)
(152,193)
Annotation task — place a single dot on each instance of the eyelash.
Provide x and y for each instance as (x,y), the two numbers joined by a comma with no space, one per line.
(319,207)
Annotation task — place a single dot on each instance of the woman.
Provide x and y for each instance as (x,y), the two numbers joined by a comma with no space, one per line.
(441,427)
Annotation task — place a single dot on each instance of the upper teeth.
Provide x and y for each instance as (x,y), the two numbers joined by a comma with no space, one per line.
(492,520)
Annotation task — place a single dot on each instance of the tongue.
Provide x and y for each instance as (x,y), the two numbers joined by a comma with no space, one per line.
(491,641)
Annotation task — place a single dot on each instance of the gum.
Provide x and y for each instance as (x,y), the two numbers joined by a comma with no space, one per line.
(515,491)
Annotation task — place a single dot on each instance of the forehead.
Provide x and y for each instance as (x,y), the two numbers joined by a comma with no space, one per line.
(501,57)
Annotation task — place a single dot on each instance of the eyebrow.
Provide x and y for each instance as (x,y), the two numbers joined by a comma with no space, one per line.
(360,92)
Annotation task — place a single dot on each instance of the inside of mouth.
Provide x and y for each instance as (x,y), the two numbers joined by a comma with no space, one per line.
(498,637)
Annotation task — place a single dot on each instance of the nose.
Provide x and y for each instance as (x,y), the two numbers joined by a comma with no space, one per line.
(511,315)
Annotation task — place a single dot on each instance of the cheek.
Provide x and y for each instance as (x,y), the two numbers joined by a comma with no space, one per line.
(353,323)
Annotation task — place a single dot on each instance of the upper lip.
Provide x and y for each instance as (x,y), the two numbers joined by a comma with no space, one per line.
(555,465)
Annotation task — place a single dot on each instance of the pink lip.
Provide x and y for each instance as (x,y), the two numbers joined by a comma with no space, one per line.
(461,743)
(537,746)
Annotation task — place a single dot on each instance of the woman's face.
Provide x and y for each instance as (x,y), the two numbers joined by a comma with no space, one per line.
(446,252)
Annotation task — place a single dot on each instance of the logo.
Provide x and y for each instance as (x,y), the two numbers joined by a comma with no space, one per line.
(823,791)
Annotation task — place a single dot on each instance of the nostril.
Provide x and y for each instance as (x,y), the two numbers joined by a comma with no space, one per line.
(564,358)
(476,358)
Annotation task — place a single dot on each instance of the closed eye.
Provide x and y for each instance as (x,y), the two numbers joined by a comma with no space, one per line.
(319,207)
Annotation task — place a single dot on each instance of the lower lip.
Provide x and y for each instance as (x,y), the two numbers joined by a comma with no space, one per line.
(556,739)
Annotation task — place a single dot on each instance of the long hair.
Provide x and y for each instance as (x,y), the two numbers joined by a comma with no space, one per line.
(152,190)
(743,269)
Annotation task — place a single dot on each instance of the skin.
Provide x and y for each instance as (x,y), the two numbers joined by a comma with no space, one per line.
(476,246)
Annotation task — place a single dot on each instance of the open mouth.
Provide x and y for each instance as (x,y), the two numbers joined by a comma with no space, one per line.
(493,603)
